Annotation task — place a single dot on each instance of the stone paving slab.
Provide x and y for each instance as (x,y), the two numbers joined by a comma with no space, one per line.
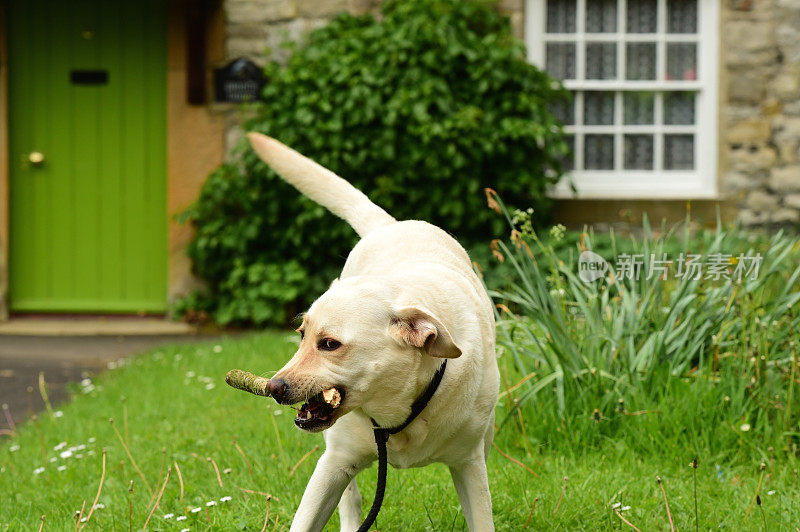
(94,326)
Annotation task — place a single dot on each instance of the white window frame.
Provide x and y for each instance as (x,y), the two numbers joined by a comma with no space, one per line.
(640,184)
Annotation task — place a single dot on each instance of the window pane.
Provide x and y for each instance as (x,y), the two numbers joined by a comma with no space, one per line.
(601,60)
(601,16)
(598,108)
(679,108)
(598,152)
(640,62)
(564,112)
(561,16)
(638,107)
(678,152)
(560,60)
(568,161)
(681,61)
(638,152)
(682,16)
(642,16)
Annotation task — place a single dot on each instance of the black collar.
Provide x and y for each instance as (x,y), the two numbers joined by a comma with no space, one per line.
(382,436)
(419,405)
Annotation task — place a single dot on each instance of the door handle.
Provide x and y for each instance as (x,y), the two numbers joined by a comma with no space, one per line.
(36,158)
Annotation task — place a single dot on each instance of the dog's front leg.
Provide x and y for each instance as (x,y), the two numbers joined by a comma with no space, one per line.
(472,486)
(331,476)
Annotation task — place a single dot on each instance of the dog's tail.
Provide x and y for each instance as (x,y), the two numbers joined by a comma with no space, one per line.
(321,185)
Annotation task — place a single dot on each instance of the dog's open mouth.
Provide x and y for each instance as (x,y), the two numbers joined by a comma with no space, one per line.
(320,411)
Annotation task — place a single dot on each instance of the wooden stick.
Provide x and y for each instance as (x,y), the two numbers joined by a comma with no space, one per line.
(244,380)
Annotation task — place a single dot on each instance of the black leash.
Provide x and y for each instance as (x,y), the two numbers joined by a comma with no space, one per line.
(382,436)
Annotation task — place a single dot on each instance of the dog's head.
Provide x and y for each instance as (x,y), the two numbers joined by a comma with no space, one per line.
(358,349)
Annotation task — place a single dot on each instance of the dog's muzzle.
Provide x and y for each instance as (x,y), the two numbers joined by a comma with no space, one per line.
(318,412)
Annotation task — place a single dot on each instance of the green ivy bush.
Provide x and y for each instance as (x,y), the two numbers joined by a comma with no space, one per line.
(421,110)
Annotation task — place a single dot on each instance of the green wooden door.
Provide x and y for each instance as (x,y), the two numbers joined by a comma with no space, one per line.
(87,89)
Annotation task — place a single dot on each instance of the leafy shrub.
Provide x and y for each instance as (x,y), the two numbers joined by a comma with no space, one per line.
(421,110)
(667,366)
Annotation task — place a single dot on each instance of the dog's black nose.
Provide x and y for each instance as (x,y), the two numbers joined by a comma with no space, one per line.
(277,389)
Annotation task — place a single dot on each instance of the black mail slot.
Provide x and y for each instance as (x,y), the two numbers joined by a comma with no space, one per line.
(89,77)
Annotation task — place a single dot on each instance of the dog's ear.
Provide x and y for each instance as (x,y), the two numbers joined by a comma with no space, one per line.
(421,329)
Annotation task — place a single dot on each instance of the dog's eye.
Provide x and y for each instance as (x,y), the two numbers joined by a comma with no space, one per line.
(302,333)
(329,344)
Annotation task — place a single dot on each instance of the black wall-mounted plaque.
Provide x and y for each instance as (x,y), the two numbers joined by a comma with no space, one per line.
(241,80)
(89,77)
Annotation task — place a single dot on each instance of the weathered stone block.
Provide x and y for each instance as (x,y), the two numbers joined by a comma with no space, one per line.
(746,86)
(761,200)
(248,47)
(359,7)
(771,107)
(321,8)
(787,150)
(748,217)
(786,83)
(511,6)
(749,159)
(787,127)
(787,37)
(785,178)
(749,35)
(749,131)
(736,182)
(792,107)
(785,216)
(247,30)
(259,11)
(792,200)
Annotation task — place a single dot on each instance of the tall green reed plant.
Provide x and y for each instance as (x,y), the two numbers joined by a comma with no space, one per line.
(654,361)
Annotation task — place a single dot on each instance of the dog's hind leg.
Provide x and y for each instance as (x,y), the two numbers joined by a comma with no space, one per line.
(472,486)
(350,508)
(488,438)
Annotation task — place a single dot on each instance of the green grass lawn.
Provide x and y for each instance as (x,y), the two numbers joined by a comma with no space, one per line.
(173,409)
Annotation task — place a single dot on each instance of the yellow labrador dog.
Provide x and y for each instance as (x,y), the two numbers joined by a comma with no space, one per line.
(406,300)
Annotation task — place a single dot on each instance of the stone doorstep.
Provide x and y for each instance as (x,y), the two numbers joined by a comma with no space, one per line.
(94,326)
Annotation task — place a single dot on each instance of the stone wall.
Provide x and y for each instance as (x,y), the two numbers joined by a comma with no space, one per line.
(760,109)
(254,25)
